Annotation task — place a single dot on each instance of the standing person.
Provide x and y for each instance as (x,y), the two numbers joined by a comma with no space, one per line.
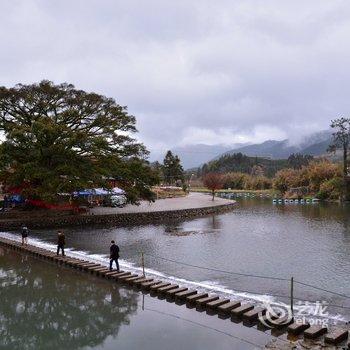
(114,255)
(24,232)
(61,241)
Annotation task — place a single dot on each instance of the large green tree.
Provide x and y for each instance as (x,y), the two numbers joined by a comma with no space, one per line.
(172,168)
(60,139)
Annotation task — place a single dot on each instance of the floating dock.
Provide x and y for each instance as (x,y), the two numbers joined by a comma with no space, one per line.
(238,311)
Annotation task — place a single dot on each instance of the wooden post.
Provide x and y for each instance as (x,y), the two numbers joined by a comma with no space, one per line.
(292,294)
(143,264)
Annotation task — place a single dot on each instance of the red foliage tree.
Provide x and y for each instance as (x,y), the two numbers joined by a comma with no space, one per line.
(214,182)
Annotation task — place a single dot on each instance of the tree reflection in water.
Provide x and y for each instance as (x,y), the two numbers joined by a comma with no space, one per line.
(46,307)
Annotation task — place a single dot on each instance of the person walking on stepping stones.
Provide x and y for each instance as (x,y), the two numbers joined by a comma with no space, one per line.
(114,255)
(24,232)
(61,242)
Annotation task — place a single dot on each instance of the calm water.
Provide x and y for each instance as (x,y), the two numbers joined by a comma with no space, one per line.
(48,307)
(310,242)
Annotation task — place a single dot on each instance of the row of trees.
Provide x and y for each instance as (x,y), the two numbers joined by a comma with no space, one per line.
(321,178)
(304,175)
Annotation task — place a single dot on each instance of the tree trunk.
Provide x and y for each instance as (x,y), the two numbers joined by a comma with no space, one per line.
(213,193)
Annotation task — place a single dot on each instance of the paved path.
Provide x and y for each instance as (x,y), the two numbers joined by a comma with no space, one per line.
(193,200)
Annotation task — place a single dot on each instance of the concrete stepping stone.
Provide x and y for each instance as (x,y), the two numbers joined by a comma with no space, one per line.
(172,292)
(183,295)
(206,300)
(123,278)
(239,311)
(166,288)
(148,285)
(112,274)
(161,285)
(93,268)
(297,327)
(195,297)
(314,332)
(336,336)
(86,266)
(253,314)
(132,279)
(216,303)
(283,322)
(102,272)
(226,308)
(142,280)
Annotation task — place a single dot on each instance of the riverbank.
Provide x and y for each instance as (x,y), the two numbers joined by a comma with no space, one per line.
(193,205)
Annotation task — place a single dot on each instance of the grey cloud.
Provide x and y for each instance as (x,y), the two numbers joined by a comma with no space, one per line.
(190,71)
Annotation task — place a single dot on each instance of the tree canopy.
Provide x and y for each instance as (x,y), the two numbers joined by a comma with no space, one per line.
(60,139)
(214,182)
(172,168)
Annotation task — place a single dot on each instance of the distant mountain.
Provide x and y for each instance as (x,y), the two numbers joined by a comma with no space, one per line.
(315,145)
(193,156)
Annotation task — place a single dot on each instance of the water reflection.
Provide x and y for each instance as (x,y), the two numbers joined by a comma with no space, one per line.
(53,308)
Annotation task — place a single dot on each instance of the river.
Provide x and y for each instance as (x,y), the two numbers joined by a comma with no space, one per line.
(310,242)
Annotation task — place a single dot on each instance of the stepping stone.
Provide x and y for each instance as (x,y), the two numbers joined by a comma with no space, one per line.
(283,322)
(161,285)
(193,298)
(216,303)
(143,280)
(226,308)
(167,288)
(171,293)
(185,294)
(92,269)
(239,311)
(112,274)
(253,315)
(206,300)
(148,285)
(315,332)
(123,278)
(131,279)
(297,327)
(87,266)
(336,336)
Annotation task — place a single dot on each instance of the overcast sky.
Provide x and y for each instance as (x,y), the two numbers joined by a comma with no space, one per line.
(191,71)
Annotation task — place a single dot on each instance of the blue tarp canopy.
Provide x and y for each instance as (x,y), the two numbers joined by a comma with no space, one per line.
(99,192)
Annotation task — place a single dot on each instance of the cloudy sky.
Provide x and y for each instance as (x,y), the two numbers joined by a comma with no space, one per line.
(191,71)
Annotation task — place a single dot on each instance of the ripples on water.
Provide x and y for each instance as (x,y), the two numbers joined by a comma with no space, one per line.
(310,242)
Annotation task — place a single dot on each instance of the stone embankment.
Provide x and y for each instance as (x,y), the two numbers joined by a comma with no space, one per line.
(194,205)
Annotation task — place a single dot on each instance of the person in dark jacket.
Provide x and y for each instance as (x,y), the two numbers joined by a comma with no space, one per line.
(61,242)
(114,255)
(24,232)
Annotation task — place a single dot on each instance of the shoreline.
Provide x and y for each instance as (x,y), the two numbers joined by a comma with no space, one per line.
(159,212)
